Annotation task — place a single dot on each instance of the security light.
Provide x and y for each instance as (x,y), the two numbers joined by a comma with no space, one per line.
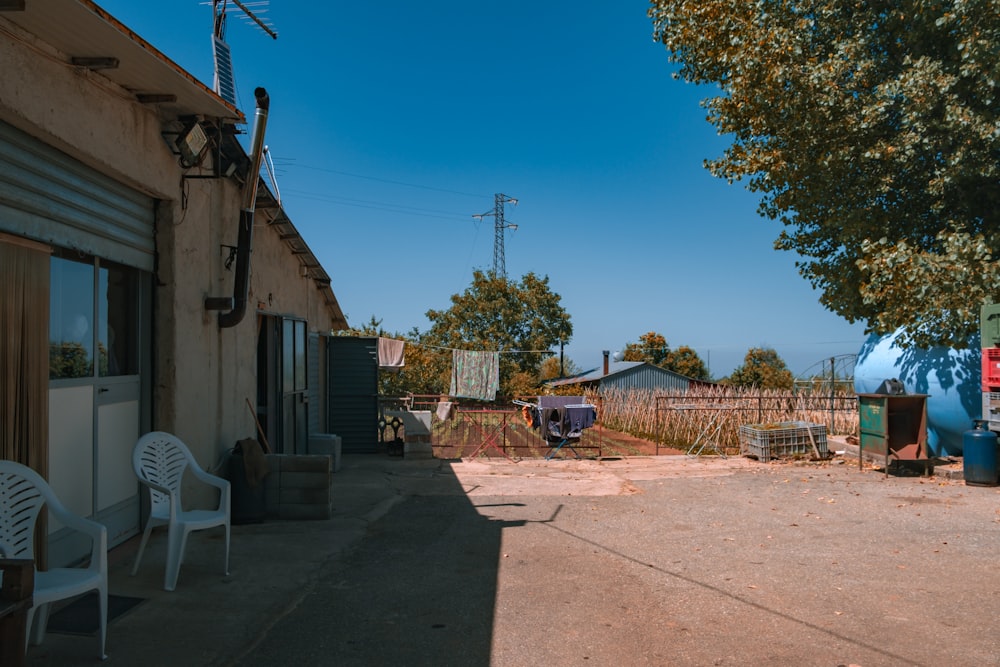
(192,143)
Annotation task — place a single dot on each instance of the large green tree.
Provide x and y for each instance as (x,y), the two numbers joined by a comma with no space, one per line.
(763,369)
(653,349)
(553,367)
(870,130)
(522,320)
(685,360)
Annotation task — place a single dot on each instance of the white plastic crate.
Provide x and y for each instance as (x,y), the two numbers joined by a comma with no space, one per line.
(991,409)
(769,441)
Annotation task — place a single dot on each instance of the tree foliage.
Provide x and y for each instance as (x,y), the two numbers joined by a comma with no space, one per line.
(762,368)
(652,348)
(551,368)
(685,360)
(424,370)
(522,320)
(870,130)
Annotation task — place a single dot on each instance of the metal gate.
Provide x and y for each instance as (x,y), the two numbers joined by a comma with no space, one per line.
(352,392)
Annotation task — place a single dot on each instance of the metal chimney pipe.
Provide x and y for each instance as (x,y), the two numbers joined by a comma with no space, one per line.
(244,243)
(606,353)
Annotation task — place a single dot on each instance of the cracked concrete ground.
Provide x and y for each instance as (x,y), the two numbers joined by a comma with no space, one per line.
(633,561)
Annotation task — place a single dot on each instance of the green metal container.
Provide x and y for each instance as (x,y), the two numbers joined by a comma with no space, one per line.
(989,325)
(893,427)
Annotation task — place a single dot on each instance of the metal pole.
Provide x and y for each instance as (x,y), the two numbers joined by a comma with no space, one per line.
(833,386)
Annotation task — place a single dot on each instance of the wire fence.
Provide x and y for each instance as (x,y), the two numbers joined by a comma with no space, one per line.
(680,419)
(671,420)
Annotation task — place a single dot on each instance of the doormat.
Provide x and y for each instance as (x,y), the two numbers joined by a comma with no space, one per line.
(81,616)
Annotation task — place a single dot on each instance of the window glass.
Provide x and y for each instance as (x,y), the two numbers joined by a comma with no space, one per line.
(117,320)
(71,316)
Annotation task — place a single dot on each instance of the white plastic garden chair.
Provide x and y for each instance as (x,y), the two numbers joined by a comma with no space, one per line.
(159,460)
(23,493)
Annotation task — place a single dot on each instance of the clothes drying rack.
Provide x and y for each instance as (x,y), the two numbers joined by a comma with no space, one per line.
(560,420)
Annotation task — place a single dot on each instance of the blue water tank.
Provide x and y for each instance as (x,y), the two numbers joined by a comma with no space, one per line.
(951,378)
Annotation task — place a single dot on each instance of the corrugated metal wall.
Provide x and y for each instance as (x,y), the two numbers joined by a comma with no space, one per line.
(647,378)
(352,392)
(315,389)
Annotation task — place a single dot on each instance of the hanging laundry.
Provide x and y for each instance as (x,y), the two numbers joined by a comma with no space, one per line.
(475,374)
(444,410)
(579,417)
(390,354)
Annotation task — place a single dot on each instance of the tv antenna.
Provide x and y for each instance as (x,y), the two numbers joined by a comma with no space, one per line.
(225,82)
(499,262)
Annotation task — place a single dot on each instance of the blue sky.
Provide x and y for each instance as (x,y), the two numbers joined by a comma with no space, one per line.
(393,122)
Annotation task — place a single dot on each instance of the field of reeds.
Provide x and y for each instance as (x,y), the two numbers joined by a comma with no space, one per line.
(705,419)
(713,415)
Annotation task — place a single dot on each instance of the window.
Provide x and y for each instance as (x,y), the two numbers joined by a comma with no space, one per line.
(117,320)
(71,317)
(75,343)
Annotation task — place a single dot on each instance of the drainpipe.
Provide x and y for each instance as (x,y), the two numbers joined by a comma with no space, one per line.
(606,353)
(244,243)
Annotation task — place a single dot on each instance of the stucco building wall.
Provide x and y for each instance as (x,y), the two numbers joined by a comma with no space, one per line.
(85,115)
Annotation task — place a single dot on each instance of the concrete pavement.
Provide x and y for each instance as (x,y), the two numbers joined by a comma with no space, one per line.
(658,561)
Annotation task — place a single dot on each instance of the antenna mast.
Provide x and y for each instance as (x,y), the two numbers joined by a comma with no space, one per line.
(499,261)
(225,82)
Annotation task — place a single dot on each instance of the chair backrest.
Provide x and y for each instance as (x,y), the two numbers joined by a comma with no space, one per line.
(23,493)
(161,458)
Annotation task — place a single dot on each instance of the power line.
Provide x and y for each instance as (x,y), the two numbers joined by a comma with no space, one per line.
(382,180)
(378,206)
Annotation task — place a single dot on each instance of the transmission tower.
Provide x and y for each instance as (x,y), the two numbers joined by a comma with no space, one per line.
(499,201)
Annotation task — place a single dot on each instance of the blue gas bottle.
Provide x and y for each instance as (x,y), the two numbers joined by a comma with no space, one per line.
(979,449)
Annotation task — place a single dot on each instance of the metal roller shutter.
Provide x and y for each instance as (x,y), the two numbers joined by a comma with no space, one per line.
(49,196)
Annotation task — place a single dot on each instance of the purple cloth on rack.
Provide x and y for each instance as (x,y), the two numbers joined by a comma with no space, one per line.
(579,417)
(559,401)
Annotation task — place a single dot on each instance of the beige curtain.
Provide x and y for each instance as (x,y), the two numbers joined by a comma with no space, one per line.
(24,356)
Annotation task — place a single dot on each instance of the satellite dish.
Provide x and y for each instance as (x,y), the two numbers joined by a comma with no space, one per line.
(618,356)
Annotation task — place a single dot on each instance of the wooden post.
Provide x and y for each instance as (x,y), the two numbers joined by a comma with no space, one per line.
(15,601)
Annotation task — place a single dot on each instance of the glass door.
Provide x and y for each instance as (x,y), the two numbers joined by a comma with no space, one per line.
(95,389)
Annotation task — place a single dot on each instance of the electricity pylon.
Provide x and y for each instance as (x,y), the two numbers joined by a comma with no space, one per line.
(499,200)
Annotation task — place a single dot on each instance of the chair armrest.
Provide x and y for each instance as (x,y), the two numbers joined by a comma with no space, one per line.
(209,478)
(97,532)
(217,482)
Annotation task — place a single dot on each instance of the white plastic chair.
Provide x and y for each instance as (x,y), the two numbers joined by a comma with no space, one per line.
(159,460)
(23,493)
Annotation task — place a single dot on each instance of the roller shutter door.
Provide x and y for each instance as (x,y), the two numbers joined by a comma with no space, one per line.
(49,196)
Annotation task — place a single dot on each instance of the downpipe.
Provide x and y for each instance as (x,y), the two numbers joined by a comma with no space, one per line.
(244,243)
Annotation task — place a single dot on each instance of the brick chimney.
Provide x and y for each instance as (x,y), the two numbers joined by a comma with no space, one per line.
(606,353)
